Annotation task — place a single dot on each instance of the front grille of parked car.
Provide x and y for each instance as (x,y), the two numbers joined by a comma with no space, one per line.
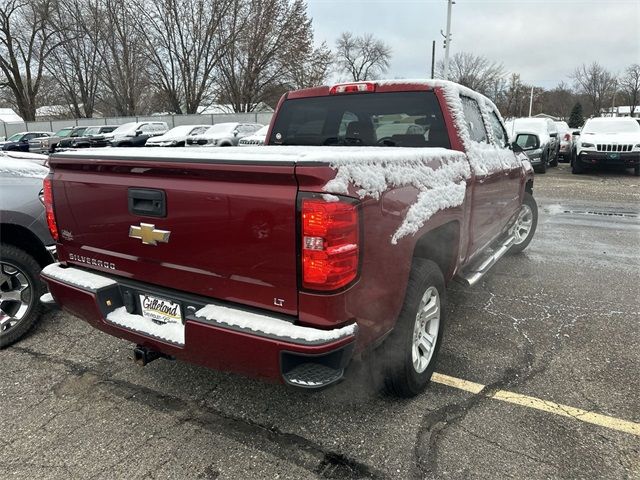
(251,142)
(608,147)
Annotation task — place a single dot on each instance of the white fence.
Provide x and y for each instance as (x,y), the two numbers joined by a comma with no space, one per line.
(8,129)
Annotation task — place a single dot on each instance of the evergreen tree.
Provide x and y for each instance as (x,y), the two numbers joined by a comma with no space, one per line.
(576,120)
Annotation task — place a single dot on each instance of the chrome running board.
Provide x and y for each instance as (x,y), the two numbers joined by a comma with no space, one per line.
(472,274)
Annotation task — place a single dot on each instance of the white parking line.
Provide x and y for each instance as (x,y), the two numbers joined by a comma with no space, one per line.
(543,405)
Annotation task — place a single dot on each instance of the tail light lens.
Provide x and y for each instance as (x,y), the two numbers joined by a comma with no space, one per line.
(48,207)
(360,87)
(330,244)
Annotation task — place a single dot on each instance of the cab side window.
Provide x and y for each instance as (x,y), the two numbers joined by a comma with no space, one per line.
(473,118)
(499,133)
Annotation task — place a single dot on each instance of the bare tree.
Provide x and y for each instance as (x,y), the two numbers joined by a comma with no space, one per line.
(630,86)
(25,45)
(596,83)
(362,58)
(476,72)
(312,70)
(274,34)
(76,63)
(186,40)
(125,73)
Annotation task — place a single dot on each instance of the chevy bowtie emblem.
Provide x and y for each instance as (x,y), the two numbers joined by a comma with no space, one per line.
(148,234)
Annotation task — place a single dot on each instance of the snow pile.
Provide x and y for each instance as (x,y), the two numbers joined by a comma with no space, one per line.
(14,167)
(77,277)
(272,326)
(172,331)
(438,174)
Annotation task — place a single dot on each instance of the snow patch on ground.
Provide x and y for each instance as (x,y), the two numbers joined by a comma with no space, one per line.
(46,298)
(173,332)
(77,277)
(15,167)
(438,174)
(270,325)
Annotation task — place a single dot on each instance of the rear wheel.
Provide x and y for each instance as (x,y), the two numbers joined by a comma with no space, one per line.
(576,165)
(20,291)
(636,170)
(408,356)
(525,225)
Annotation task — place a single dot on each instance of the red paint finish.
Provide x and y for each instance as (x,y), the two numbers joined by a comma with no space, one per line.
(233,228)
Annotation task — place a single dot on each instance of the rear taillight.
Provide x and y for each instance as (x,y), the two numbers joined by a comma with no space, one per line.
(48,207)
(330,243)
(361,87)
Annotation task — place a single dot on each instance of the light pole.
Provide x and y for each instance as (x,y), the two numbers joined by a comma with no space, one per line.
(447,41)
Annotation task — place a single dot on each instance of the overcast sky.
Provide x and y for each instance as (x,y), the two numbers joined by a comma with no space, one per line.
(543,40)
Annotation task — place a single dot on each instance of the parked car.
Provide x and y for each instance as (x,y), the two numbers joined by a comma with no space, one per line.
(224,134)
(608,141)
(135,134)
(19,142)
(49,144)
(547,133)
(257,138)
(177,136)
(565,137)
(286,262)
(91,137)
(26,246)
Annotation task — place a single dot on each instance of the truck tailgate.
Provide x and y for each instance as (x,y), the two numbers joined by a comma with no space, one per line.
(232,226)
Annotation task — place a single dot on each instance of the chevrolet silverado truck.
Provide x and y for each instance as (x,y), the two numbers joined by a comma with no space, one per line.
(334,242)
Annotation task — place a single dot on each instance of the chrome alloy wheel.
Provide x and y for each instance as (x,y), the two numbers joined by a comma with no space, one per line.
(425,330)
(15,296)
(523,224)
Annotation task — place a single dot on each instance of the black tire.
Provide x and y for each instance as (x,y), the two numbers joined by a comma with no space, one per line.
(529,201)
(554,162)
(400,377)
(15,258)
(636,170)
(576,166)
(543,167)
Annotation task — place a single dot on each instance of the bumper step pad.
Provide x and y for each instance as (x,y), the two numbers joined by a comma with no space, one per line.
(313,375)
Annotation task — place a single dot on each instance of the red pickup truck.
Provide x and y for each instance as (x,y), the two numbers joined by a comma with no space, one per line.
(284,262)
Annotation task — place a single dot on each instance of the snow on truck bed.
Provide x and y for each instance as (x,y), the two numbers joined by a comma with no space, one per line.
(440,175)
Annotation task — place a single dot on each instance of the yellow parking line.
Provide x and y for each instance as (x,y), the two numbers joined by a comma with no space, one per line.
(543,405)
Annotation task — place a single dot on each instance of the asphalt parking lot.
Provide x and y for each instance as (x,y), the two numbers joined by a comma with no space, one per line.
(545,333)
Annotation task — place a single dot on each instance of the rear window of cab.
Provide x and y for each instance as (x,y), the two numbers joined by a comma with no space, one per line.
(394,119)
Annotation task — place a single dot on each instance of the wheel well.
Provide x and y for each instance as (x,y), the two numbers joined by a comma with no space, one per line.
(529,187)
(441,246)
(25,239)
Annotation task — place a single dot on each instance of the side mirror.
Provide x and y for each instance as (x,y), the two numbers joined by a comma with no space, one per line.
(575,132)
(553,135)
(138,133)
(235,133)
(527,141)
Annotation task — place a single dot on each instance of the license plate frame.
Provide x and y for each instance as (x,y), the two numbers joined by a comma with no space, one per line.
(160,310)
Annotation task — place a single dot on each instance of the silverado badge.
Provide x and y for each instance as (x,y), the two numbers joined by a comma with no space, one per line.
(148,234)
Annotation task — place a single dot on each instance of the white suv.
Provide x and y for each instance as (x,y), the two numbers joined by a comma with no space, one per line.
(608,141)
